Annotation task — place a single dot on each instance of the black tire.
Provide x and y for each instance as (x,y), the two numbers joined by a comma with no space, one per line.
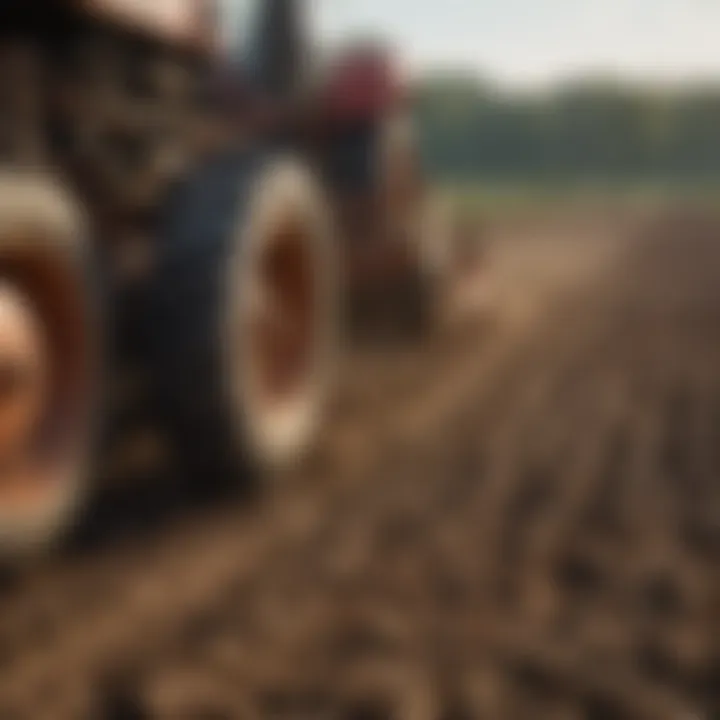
(213,234)
(45,272)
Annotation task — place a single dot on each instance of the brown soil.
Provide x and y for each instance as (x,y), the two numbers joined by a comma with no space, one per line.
(521,521)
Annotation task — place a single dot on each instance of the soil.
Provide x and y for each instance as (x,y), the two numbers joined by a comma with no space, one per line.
(519,520)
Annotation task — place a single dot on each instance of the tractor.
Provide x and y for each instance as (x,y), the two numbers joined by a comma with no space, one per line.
(189,227)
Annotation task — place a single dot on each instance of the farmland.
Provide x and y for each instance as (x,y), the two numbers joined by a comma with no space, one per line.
(521,520)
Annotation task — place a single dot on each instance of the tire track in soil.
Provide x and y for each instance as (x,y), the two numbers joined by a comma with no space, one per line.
(519,523)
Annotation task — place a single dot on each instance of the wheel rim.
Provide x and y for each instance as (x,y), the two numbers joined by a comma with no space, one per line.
(284,316)
(23,381)
(45,391)
(283,323)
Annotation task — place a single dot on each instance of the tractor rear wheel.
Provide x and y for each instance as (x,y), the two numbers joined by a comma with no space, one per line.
(49,362)
(245,308)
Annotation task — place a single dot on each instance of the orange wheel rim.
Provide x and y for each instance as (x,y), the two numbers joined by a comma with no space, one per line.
(44,378)
(283,316)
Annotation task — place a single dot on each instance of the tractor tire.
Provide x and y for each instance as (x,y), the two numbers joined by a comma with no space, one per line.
(245,308)
(50,358)
(434,242)
(419,220)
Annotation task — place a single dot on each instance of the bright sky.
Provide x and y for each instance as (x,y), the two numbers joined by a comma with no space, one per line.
(532,42)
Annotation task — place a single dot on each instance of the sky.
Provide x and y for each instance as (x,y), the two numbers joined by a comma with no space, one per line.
(531,43)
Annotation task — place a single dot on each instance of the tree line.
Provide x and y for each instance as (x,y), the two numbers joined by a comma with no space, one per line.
(595,131)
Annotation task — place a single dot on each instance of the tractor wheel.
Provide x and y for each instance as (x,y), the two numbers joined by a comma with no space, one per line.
(245,308)
(425,288)
(418,221)
(49,359)
(434,239)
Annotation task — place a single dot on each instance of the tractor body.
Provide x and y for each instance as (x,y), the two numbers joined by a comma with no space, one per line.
(181,219)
